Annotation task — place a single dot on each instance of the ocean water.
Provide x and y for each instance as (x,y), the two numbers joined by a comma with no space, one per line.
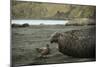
(38,22)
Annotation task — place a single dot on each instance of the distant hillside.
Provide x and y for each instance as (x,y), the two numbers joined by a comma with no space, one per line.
(37,10)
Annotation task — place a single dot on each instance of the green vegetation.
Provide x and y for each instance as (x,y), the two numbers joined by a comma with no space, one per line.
(37,10)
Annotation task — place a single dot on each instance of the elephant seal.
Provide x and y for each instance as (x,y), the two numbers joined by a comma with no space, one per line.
(76,43)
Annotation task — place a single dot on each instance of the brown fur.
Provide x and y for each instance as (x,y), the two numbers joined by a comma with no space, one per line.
(76,43)
(44,51)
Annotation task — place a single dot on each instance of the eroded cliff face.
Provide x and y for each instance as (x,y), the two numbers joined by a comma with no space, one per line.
(38,10)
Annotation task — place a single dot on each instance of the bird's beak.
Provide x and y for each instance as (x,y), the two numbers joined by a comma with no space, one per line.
(51,42)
